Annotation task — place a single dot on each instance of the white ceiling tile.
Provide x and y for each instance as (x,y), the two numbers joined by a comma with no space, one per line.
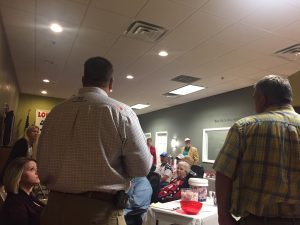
(269,15)
(203,53)
(43,29)
(18,24)
(269,44)
(285,69)
(149,63)
(96,37)
(238,34)
(167,14)
(82,51)
(196,29)
(81,1)
(290,31)
(27,6)
(192,3)
(106,21)
(126,51)
(55,10)
(266,62)
(295,3)
(232,10)
(128,8)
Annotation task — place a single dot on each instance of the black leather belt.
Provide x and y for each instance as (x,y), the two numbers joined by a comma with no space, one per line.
(104,196)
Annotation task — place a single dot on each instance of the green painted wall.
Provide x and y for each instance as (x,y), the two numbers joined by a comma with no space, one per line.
(31,102)
(189,119)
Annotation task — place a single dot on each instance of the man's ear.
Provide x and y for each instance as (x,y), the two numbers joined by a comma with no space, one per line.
(110,85)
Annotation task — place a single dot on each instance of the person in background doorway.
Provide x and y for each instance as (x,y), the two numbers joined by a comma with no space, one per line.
(23,147)
(20,206)
(91,146)
(164,170)
(258,167)
(188,149)
(153,153)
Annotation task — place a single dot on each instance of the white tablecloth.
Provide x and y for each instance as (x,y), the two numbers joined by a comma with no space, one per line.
(170,213)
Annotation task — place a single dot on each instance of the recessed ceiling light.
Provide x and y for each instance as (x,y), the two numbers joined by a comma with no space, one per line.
(44,92)
(56,28)
(129,77)
(187,90)
(139,106)
(163,53)
(46,81)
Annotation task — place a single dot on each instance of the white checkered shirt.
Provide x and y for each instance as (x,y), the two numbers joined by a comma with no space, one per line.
(92,142)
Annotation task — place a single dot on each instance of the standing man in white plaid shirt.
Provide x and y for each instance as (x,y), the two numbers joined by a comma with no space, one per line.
(90,147)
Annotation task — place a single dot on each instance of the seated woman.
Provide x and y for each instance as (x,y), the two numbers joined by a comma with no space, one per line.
(173,190)
(20,206)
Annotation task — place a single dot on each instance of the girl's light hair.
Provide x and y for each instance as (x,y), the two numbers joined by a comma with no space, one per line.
(186,166)
(13,174)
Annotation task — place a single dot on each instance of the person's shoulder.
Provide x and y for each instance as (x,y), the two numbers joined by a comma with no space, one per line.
(121,108)
(22,140)
(247,120)
(13,199)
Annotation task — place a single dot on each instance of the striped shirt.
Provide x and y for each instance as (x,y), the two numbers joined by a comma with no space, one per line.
(92,142)
(261,155)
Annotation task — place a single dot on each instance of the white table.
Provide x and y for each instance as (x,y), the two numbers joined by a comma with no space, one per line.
(170,213)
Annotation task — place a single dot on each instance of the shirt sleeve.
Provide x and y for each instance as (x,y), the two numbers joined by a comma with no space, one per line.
(136,155)
(227,160)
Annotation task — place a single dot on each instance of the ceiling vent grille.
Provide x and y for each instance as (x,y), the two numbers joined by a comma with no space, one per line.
(291,53)
(185,79)
(145,31)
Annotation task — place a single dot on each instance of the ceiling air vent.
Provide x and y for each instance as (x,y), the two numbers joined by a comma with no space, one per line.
(145,31)
(291,53)
(185,79)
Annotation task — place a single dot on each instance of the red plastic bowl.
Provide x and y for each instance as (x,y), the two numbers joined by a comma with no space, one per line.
(191,207)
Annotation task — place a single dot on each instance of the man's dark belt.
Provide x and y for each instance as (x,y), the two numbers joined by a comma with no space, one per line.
(104,196)
(272,219)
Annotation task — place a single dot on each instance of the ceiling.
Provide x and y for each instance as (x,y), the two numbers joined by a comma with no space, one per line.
(227,44)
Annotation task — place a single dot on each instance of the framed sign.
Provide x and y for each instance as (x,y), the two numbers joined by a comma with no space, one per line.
(40,117)
(213,140)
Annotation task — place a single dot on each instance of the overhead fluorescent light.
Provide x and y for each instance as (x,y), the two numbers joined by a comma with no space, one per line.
(129,77)
(187,90)
(139,106)
(163,53)
(56,28)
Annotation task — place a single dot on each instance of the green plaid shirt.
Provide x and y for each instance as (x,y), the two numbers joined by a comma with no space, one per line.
(261,155)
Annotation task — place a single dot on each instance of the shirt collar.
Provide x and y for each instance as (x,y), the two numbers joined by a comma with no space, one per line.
(281,108)
(92,89)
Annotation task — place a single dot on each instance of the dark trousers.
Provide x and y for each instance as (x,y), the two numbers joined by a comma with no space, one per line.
(257,220)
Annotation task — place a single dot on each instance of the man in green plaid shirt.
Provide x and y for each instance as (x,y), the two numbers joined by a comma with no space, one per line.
(258,168)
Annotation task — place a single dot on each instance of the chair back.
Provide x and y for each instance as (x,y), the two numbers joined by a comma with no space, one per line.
(135,217)
(154,180)
(199,170)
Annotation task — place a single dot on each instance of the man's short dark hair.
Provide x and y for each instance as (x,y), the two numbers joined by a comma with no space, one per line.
(277,89)
(97,71)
